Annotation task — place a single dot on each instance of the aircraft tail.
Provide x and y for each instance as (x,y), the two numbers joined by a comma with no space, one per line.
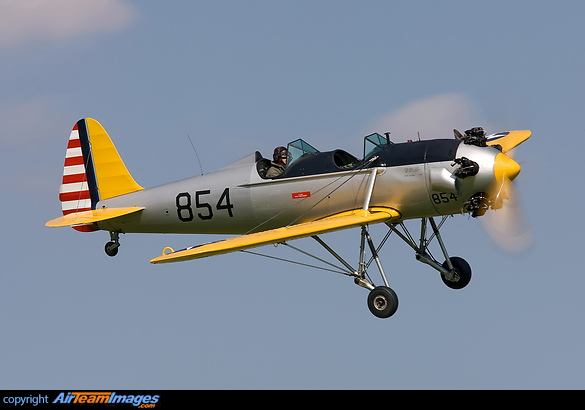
(93,171)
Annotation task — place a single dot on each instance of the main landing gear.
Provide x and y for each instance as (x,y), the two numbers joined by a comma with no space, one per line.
(382,300)
(111,247)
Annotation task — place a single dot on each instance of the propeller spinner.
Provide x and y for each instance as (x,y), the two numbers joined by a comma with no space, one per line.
(505,225)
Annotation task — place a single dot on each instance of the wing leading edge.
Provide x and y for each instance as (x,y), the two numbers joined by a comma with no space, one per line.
(332,223)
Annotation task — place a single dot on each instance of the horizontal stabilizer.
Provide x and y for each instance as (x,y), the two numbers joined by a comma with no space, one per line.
(94,215)
(508,140)
(336,222)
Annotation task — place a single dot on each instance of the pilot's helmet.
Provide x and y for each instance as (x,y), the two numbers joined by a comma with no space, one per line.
(279,152)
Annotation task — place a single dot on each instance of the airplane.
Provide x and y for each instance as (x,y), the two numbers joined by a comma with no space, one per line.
(318,192)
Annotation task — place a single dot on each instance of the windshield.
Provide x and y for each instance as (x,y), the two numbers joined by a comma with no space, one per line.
(297,149)
(374,143)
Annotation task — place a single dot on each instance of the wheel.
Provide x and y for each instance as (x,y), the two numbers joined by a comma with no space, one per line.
(463,271)
(382,302)
(111,248)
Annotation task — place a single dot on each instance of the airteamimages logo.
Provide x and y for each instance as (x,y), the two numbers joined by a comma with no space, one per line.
(143,401)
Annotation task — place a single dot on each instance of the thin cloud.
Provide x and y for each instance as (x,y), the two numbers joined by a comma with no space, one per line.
(433,117)
(31,122)
(34,133)
(41,21)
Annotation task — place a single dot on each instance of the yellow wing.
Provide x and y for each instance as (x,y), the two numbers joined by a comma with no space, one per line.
(94,215)
(332,223)
(509,140)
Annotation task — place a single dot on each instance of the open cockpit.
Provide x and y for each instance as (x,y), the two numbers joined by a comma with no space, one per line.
(303,159)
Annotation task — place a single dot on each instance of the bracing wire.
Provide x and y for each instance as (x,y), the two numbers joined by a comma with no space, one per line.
(353,174)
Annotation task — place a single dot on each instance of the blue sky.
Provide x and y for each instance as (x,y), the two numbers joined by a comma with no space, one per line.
(240,76)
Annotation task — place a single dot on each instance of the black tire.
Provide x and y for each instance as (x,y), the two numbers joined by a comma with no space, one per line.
(462,269)
(382,302)
(111,248)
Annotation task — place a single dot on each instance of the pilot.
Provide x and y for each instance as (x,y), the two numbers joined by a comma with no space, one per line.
(278,163)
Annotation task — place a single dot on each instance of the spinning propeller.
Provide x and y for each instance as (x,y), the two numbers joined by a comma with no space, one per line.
(506,225)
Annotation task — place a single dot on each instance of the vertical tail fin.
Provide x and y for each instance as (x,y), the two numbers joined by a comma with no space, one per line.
(93,171)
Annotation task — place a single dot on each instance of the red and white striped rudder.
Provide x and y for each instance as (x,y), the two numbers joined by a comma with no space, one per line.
(74,194)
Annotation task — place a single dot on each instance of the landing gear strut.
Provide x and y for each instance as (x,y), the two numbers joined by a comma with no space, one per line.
(455,271)
(382,300)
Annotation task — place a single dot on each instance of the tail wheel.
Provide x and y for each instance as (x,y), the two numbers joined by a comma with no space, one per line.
(462,273)
(382,302)
(111,248)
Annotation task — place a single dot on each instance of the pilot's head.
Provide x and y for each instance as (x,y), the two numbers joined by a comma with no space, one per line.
(280,154)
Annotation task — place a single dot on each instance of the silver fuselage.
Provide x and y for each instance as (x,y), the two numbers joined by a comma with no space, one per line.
(236,200)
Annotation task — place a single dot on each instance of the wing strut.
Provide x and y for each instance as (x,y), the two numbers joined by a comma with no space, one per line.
(368,238)
(361,273)
(369,189)
(335,254)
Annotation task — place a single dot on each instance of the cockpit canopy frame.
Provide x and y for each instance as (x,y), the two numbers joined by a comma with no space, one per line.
(304,159)
(374,143)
